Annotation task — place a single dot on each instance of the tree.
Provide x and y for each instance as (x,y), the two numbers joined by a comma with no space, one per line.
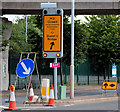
(18,37)
(104,40)
(35,33)
(80,41)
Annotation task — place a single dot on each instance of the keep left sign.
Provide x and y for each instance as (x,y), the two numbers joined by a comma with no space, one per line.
(25,68)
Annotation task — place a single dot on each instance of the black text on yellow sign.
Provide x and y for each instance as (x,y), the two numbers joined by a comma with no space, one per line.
(109,85)
(52,33)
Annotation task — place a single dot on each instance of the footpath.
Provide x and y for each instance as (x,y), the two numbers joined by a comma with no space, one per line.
(83,94)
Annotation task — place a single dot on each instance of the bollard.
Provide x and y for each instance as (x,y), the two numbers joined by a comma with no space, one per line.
(45,89)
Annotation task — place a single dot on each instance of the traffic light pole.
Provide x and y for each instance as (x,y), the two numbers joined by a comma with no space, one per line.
(72,53)
(55,79)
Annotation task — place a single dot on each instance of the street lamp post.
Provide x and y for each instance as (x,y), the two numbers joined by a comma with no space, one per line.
(26,28)
(72,53)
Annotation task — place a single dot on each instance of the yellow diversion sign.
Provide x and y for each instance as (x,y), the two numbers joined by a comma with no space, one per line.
(109,85)
(52,33)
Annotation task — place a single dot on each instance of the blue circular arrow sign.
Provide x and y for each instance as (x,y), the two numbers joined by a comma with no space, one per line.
(25,68)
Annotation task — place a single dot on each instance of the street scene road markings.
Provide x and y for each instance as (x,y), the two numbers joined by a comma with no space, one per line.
(68,105)
(3,107)
(33,107)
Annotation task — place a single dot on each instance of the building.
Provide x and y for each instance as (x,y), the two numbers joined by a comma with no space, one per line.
(4,76)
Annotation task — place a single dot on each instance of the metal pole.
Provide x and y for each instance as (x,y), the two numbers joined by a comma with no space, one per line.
(26,28)
(72,53)
(55,79)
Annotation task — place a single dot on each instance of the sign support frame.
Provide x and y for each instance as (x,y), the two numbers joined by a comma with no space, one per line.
(104,91)
(53,54)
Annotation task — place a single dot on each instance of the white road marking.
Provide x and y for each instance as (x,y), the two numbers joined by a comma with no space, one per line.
(33,107)
(68,105)
(3,106)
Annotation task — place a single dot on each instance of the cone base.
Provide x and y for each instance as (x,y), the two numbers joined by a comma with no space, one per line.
(51,102)
(51,105)
(31,98)
(12,105)
(11,109)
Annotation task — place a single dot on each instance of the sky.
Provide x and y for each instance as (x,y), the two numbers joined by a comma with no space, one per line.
(13,18)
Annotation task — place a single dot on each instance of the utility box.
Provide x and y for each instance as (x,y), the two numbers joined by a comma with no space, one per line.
(62,92)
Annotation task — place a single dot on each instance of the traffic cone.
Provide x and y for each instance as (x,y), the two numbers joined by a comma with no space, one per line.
(12,103)
(31,93)
(51,97)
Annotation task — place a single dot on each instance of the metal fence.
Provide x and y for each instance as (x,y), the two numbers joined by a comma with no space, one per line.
(84,73)
(82,80)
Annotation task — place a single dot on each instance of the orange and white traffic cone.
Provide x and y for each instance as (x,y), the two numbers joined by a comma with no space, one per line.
(31,93)
(12,103)
(51,97)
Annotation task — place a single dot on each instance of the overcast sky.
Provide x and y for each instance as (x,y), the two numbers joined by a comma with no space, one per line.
(13,18)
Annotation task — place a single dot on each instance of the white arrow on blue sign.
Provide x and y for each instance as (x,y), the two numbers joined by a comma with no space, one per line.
(25,68)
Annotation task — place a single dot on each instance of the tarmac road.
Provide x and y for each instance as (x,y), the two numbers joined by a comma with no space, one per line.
(21,99)
(111,106)
(80,93)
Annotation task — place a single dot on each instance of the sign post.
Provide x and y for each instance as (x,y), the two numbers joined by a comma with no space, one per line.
(55,79)
(52,46)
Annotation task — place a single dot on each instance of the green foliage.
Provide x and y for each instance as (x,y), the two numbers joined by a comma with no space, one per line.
(35,33)
(104,39)
(80,41)
(18,37)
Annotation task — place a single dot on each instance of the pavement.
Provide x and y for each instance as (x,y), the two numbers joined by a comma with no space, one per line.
(83,94)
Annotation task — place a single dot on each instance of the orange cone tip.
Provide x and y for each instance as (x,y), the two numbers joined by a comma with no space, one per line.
(51,86)
(12,88)
(31,85)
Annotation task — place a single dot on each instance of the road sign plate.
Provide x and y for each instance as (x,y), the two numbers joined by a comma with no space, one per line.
(109,85)
(25,68)
(114,70)
(54,65)
(52,33)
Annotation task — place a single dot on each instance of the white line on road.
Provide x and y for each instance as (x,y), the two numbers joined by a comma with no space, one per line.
(28,108)
(32,107)
(3,106)
(69,105)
